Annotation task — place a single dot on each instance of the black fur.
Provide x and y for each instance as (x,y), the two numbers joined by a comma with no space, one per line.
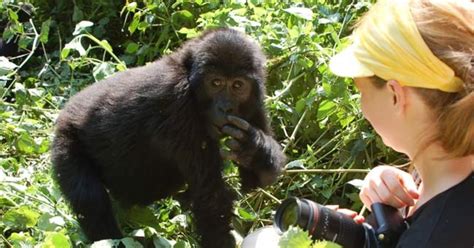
(141,135)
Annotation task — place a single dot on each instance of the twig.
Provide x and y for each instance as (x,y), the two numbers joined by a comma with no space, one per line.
(6,241)
(293,135)
(270,195)
(33,49)
(327,171)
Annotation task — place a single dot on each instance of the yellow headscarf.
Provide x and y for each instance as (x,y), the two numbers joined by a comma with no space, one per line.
(387,44)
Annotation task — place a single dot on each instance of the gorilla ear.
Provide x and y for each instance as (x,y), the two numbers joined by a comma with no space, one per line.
(188,60)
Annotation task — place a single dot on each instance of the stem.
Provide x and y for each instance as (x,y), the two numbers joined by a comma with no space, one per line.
(293,135)
(308,171)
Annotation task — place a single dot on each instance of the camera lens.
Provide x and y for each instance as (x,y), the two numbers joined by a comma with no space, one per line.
(320,222)
(290,216)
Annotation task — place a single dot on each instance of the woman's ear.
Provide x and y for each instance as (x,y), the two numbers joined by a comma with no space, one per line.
(399,95)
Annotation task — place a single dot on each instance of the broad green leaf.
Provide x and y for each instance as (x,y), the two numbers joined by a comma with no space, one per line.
(21,218)
(325,108)
(26,143)
(55,239)
(13,15)
(47,222)
(132,47)
(326,244)
(22,240)
(295,238)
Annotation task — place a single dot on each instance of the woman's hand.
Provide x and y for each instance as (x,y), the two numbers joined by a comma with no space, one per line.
(389,185)
(351,213)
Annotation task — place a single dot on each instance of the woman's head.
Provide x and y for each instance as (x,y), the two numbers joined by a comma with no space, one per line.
(427,47)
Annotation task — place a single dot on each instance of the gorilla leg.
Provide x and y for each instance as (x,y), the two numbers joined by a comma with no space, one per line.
(82,187)
(212,209)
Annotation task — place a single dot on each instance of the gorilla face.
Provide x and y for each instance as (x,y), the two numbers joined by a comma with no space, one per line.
(227,74)
(227,96)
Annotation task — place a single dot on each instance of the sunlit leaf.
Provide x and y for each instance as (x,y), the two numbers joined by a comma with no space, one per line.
(21,217)
(55,239)
(301,12)
(6,66)
(82,27)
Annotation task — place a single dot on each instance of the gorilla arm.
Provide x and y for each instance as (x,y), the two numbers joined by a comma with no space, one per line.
(258,155)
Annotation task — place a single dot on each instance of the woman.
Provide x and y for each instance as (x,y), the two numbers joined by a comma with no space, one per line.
(413,63)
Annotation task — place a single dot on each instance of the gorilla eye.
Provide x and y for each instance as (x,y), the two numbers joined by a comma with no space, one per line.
(217,83)
(237,84)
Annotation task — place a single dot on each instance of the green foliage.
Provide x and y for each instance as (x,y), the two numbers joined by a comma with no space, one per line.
(68,45)
(297,238)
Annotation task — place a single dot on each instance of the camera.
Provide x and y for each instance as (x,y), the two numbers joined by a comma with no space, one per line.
(381,230)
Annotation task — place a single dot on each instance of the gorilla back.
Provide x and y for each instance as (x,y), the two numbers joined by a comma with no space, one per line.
(142,134)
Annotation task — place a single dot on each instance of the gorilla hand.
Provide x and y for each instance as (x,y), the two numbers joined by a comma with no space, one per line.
(244,141)
(253,150)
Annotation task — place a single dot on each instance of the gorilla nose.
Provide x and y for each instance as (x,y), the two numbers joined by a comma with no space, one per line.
(226,108)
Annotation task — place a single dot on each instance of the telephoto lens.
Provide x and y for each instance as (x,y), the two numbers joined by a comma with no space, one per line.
(321,222)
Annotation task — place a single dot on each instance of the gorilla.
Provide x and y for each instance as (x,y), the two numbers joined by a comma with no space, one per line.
(142,134)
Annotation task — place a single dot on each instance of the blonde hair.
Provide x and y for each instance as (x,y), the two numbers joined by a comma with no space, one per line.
(447,27)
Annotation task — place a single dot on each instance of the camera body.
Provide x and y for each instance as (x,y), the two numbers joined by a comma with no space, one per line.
(382,230)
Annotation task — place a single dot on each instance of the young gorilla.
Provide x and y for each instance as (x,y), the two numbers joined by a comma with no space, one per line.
(142,134)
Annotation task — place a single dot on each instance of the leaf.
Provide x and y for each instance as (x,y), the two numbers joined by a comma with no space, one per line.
(45,30)
(325,108)
(160,242)
(132,47)
(131,7)
(13,15)
(295,238)
(75,44)
(301,12)
(65,53)
(142,216)
(130,243)
(20,218)
(25,143)
(81,27)
(6,66)
(326,244)
(21,240)
(182,244)
(136,21)
(55,239)
(358,183)
(47,222)
(106,243)
(246,215)
(103,70)
(300,104)
(299,164)
(183,15)
(106,45)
